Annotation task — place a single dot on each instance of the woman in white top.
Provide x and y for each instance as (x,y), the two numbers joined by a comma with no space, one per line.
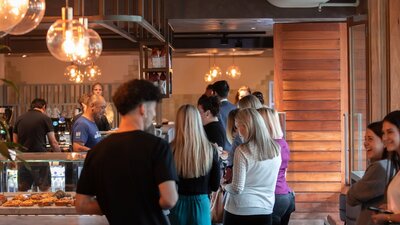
(251,195)
(391,140)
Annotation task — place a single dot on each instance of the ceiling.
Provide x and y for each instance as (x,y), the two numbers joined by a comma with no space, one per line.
(218,28)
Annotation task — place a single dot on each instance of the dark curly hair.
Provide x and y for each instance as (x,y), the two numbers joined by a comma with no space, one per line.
(209,103)
(38,103)
(133,93)
(221,88)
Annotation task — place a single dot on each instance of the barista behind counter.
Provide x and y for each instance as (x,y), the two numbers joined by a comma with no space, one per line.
(85,133)
(31,130)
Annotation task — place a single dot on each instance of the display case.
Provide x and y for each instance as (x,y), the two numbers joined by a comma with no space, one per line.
(64,169)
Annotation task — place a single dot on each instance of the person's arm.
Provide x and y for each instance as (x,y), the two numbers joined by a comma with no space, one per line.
(168,194)
(381,218)
(370,186)
(79,147)
(239,173)
(215,173)
(86,204)
(53,142)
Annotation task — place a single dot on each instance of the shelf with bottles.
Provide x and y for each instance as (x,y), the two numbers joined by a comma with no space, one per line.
(155,65)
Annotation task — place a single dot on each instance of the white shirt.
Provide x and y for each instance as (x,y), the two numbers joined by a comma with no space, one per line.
(393,194)
(252,191)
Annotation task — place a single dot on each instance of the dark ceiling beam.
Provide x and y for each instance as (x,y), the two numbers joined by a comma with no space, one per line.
(215,42)
(203,9)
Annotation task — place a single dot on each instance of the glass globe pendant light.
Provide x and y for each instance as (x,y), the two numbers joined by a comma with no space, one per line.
(233,71)
(215,71)
(67,37)
(88,56)
(32,18)
(12,12)
(71,72)
(92,72)
(208,78)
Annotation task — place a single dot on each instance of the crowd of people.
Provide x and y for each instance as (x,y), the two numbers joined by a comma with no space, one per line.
(237,148)
(171,183)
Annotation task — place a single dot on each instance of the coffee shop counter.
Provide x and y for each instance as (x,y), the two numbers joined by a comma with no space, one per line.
(53,220)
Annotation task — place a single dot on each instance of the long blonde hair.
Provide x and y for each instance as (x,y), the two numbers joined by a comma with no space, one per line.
(258,142)
(230,126)
(249,101)
(193,153)
(272,122)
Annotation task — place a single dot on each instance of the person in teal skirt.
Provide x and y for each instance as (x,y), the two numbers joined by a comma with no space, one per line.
(197,165)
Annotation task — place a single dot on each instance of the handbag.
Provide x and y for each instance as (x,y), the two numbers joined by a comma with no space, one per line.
(217,205)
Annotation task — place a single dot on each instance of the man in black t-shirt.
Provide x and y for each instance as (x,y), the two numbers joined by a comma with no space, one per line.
(130,175)
(30,130)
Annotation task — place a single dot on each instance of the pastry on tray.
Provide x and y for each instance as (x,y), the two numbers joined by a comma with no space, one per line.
(27,203)
(12,203)
(64,202)
(47,201)
(21,197)
(2,199)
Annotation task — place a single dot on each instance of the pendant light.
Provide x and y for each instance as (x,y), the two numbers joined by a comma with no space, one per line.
(92,72)
(12,12)
(31,19)
(208,77)
(233,71)
(95,45)
(215,71)
(67,38)
(71,72)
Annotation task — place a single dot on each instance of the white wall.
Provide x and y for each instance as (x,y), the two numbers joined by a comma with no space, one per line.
(188,77)
(48,70)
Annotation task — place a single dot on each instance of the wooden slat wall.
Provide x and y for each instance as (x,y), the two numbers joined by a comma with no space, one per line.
(310,61)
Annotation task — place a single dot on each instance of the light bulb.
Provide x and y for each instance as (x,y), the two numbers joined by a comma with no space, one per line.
(233,72)
(67,38)
(32,18)
(208,78)
(94,49)
(79,79)
(215,71)
(12,12)
(92,72)
(72,71)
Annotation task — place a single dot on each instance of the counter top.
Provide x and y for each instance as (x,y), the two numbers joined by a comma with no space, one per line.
(52,220)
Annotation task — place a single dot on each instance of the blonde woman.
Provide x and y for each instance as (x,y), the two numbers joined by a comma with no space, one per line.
(284,197)
(251,195)
(197,166)
(249,101)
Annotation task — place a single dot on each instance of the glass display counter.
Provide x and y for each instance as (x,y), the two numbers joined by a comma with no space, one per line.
(65,168)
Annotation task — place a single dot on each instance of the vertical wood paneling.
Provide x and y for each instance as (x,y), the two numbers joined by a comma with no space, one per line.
(311,90)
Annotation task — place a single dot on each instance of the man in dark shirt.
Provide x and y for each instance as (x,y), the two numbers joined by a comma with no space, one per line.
(130,175)
(30,130)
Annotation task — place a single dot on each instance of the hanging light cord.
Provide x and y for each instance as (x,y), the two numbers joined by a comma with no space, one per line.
(66,3)
(83,8)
